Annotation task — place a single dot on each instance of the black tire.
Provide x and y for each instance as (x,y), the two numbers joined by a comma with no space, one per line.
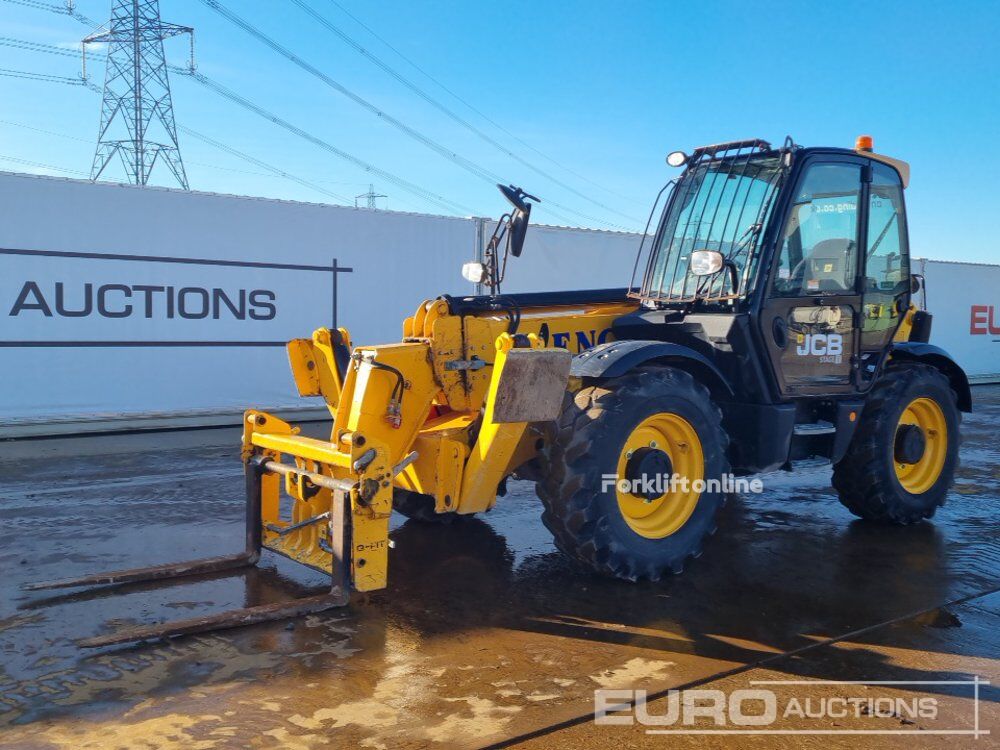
(585,444)
(865,478)
(419,507)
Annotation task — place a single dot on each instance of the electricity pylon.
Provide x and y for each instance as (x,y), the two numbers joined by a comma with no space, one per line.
(370,196)
(137,114)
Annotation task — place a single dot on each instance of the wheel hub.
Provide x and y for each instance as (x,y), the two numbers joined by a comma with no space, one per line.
(910,444)
(920,447)
(647,463)
(663,443)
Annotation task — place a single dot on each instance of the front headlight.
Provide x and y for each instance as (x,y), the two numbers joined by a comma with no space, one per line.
(677,158)
(474,271)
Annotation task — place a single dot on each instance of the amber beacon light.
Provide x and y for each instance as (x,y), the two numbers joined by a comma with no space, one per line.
(864,143)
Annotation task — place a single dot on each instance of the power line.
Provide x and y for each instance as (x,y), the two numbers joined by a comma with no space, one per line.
(30,75)
(202,137)
(422,193)
(264,165)
(78,139)
(416,190)
(313,185)
(426,195)
(40,165)
(441,150)
(360,101)
(410,187)
(68,9)
(39,6)
(471,107)
(437,200)
(445,110)
(46,132)
(25,44)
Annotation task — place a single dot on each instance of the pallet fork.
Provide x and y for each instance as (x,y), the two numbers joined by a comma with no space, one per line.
(338,494)
(255,470)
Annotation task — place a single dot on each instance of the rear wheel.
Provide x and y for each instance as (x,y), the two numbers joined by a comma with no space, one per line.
(903,457)
(642,428)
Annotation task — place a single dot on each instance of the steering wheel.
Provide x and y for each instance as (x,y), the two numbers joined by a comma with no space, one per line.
(798,273)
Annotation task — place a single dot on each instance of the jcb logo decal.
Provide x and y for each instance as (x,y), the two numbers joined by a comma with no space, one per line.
(820,345)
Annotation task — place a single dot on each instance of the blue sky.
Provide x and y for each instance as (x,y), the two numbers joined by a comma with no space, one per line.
(603,91)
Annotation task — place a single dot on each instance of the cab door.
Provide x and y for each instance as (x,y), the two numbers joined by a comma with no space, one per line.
(809,319)
(885,281)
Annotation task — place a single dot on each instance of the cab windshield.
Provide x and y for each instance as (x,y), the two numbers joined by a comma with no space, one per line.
(718,204)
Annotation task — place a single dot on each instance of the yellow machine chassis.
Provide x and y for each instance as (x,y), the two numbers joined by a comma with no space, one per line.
(432,429)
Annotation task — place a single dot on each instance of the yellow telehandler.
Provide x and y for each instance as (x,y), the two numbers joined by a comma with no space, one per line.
(769,319)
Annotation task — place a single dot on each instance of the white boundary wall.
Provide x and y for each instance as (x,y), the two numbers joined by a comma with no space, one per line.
(965,301)
(185,324)
(135,370)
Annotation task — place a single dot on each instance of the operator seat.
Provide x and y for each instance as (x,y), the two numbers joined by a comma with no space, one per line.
(831,263)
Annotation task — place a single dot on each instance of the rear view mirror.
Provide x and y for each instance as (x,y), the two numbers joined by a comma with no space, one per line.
(507,239)
(519,229)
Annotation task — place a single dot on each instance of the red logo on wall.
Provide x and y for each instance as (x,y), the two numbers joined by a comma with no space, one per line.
(983,321)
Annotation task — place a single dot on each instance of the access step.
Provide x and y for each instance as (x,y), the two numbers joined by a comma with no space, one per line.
(814,428)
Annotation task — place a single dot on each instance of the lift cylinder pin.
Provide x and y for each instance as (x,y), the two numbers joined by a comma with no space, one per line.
(320,480)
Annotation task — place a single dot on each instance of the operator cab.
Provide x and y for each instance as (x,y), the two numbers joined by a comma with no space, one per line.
(802,250)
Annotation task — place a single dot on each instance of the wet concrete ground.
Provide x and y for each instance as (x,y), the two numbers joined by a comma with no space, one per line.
(487,635)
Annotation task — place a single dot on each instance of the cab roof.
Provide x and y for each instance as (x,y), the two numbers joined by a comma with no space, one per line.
(751,145)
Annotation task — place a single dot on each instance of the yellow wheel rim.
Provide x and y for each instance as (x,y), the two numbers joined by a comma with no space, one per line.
(919,477)
(663,515)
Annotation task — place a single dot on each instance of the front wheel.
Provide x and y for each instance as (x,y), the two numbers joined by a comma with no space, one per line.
(903,457)
(606,487)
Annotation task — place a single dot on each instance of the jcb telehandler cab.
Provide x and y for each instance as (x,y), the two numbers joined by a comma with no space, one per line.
(772,321)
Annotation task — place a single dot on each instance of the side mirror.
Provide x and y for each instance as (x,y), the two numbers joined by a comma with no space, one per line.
(706,262)
(508,239)
(519,229)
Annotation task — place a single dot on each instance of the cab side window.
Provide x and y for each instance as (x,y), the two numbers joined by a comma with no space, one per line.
(887,258)
(887,266)
(820,240)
